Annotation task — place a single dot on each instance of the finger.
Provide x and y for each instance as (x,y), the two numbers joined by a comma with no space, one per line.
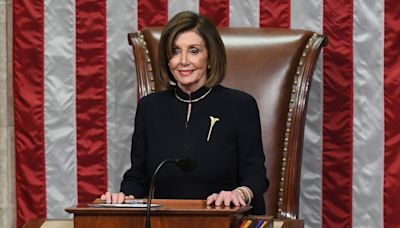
(211,198)
(121,197)
(220,198)
(114,197)
(235,199)
(108,197)
(103,197)
(228,200)
(240,198)
(130,197)
(215,197)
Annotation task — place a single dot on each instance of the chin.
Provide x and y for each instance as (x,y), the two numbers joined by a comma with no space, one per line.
(185,82)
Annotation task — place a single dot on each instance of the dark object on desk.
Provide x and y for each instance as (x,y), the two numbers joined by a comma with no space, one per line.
(255,221)
(276,67)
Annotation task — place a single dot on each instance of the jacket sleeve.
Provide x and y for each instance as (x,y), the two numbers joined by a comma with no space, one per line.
(135,180)
(252,172)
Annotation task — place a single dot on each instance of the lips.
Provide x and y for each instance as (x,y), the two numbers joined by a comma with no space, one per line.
(185,72)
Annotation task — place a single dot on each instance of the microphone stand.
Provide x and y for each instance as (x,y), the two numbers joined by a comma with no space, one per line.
(151,189)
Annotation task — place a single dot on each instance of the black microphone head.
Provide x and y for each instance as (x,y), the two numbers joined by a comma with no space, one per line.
(186,164)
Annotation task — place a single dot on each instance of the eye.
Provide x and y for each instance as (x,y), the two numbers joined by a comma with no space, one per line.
(194,51)
(175,51)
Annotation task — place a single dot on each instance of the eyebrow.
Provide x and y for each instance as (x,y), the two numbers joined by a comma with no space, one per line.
(191,45)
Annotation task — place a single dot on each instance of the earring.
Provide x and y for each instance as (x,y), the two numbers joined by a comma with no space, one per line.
(209,67)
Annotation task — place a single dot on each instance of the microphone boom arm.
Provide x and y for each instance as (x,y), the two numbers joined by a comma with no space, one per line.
(151,189)
(185,164)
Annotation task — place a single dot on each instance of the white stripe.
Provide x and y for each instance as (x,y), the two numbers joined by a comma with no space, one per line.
(176,6)
(244,13)
(121,88)
(368,129)
(7,158)
(59,106)
(307,14)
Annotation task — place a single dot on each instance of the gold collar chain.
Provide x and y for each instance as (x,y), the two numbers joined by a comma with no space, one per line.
(195,100)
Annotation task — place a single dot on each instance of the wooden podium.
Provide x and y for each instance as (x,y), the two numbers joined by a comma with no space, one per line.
(170,213)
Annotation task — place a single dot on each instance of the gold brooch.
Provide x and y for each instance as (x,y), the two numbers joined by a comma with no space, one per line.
(213,120)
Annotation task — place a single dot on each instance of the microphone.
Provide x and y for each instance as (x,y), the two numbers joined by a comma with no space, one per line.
(185,164)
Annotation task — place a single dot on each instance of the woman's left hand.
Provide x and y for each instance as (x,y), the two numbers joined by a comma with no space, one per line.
(226,198)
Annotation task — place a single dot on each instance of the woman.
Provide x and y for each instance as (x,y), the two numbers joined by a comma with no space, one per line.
(196,117)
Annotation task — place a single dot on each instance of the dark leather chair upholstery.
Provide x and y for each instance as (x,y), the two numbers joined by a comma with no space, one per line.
(276,67)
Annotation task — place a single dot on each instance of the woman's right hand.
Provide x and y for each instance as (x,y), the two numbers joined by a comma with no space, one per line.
(119,197)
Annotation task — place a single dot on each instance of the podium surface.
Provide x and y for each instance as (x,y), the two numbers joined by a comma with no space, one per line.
(169,213)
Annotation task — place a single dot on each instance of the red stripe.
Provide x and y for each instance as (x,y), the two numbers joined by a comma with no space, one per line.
(28,79)
(217,11)
(91,99)
(338,114)
(152,13)
(275,13)
(392,113)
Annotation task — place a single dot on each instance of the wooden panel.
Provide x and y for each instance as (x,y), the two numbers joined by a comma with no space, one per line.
(36,223)
(171,213)
(116,221)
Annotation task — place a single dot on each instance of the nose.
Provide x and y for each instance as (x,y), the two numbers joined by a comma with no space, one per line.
(184,59)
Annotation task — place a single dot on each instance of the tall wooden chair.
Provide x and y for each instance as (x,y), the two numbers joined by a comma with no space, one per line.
(276,67)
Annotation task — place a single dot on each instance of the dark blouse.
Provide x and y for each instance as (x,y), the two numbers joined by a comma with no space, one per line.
(233,156)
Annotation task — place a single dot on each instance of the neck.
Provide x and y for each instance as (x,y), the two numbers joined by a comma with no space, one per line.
(190,88)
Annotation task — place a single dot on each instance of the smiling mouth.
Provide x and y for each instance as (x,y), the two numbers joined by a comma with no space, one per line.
(186,72)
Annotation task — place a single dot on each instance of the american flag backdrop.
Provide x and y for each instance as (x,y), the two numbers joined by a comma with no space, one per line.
(74,101)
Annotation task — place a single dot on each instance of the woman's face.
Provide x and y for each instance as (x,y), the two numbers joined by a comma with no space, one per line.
(188,64)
